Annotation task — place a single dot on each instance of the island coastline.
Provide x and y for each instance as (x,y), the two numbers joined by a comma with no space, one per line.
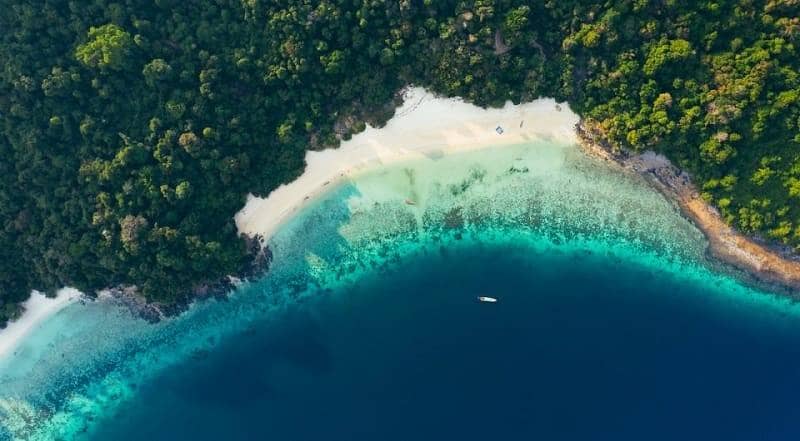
(448,125)
(38,308)
(760,262)
(425,125)
(429,126)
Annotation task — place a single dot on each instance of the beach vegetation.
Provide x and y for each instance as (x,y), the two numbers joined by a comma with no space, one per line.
(131,131)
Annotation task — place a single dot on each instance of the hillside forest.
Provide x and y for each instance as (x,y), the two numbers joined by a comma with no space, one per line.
(131,130)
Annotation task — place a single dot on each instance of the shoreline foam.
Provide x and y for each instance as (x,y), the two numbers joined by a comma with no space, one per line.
(424,126)
(38,308)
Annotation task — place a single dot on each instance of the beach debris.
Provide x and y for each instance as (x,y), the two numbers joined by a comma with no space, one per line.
(499,130)
(521,123)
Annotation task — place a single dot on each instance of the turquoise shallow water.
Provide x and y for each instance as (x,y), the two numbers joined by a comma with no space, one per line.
(611,323)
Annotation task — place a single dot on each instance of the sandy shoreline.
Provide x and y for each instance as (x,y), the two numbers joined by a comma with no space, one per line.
(424,126)
(38,308)
(725,243)
(427,126)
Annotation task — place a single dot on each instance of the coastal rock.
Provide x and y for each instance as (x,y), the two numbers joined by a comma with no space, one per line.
(751,256)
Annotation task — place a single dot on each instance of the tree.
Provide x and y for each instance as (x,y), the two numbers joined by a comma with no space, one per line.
(665,52)
(122,157)
(107,47)
(156,70)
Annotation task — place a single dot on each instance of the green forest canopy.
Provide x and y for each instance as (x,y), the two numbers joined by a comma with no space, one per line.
(131,130)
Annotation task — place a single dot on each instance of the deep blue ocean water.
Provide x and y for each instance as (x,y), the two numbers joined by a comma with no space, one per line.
(579,347)
(612,324)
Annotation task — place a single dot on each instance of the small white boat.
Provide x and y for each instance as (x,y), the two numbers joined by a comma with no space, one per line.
(487,299)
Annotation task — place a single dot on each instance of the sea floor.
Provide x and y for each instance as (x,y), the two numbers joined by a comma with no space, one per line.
(611,324)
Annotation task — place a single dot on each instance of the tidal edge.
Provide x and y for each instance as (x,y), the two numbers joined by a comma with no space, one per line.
(748,258)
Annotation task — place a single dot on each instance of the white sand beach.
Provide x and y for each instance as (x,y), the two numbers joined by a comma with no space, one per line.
(424,126)
(37,309)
